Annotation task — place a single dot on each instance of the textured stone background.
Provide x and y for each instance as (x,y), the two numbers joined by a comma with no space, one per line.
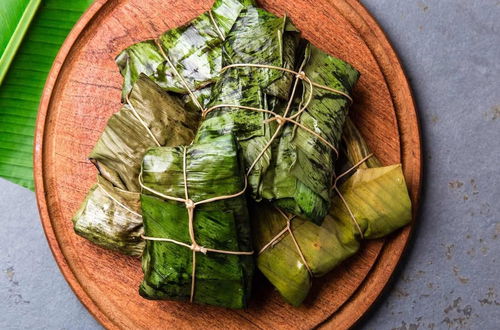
(450,275)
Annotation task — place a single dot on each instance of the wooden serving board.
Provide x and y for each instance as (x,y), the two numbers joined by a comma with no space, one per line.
(83,90)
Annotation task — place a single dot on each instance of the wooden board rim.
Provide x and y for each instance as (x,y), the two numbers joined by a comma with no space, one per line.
(384,267)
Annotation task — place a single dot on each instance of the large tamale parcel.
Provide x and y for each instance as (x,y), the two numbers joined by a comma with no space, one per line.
(379,201)
(110,214)
(296,171)
(189,54)
(212,169)
(302,167)
(257,37)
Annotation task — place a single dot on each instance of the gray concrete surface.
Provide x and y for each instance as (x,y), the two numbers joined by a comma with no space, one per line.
(450,276)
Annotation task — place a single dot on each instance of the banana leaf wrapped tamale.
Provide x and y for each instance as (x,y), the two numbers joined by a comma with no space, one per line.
(174,180)
(151,117)
(193,49)
(378,199)
(302,168)
(258,37)
(110,214)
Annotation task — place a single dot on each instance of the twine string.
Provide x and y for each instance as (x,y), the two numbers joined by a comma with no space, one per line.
(217,29)
(190,207)
(281,123)
(281,234)
(143,123)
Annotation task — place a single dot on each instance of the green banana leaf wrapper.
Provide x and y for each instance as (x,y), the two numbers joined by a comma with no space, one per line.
(257,37)
(213,169)
(110,217)
(379,200)
(104,217)
(300,175)
(193,48)
(118,152)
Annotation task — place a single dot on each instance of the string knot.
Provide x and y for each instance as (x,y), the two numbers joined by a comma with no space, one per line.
(189,204)
(279,119)
(301,75)
(197,248)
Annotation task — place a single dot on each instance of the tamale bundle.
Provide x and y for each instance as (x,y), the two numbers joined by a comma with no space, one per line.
(189,54)
(304,156)
(378,199)
(257,38)
(109,216)
(258,54)
(197,230)
(151,117)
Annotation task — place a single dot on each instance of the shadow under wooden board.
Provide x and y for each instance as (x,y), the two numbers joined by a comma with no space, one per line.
(83,90)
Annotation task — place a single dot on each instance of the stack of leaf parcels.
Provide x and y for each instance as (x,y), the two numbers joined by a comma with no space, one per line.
(235,99)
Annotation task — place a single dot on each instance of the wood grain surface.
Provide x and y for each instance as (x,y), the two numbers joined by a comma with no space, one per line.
(83,90)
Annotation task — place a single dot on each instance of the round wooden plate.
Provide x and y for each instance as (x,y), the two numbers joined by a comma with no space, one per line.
(83,90)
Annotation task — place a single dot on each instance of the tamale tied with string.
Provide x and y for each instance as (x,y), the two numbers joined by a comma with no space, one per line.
(110,214)
(196,224)
(376,195)
(257,37)
(192,51)
(304,155)
(290,165)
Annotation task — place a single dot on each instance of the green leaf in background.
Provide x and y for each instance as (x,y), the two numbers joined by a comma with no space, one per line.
(22,86)
(15,17)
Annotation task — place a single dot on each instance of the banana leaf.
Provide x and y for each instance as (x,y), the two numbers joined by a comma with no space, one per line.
(258,37)
(213,169)
(105,217)
(118,152)
(379,200)
(301,172)
(194,49)
(110,217)
(16,16)
(22,86)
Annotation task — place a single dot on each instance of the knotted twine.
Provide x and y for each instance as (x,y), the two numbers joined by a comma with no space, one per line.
(190,207)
